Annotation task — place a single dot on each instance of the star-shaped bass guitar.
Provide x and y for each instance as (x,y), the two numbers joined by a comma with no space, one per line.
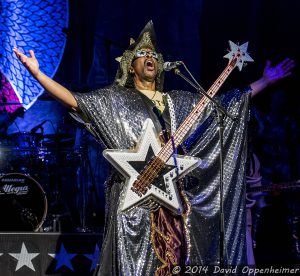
(163,190)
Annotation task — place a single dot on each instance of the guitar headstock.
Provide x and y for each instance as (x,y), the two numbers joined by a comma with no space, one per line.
(238,55)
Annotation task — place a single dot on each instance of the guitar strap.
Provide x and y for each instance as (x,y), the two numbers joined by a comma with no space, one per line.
(172,113)
(168,231)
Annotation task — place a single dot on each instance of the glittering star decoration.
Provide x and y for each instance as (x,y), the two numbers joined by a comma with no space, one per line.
(163,189)
(24,258)
(94,257)
(63,258)
(240,53)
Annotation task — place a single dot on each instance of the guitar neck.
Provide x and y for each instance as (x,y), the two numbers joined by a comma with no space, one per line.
(237,56)
(279,186)
(178,137)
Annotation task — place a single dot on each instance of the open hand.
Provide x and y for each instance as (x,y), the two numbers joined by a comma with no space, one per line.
(31,63)
(280,71)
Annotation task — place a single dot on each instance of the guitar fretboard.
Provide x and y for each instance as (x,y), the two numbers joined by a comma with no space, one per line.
(280,186)
(178,137)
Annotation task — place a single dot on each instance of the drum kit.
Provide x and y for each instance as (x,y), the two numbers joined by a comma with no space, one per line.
(32,173)
(23,203)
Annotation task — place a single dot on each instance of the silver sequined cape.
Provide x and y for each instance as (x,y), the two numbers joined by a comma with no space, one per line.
(115,115)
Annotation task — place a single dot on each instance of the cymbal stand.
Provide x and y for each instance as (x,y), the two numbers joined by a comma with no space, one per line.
(58,204)
(87,184)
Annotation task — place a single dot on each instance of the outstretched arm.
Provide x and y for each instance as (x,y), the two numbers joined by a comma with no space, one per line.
(56,90)
(272,75)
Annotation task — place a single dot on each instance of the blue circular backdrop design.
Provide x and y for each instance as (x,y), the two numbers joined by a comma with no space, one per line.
(31,24)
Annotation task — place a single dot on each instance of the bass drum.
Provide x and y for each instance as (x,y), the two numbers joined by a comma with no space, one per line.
(23,203)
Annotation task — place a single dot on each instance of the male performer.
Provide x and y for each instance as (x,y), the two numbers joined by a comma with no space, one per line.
(143,241)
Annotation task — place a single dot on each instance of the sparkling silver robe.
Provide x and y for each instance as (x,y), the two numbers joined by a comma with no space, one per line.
(115,115)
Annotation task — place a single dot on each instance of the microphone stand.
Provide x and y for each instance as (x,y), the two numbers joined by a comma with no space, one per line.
(221,111)
(203,92)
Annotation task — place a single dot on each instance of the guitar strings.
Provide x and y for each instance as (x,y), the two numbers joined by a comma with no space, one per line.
(157,164)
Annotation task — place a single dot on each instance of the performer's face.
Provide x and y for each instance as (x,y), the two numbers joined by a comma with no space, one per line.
(144,66)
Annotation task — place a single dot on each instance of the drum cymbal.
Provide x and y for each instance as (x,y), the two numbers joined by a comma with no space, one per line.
(24,139)
(57,136)
(50,139)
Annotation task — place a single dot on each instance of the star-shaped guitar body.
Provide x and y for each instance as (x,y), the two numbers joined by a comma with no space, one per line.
(163,190)
(240,53)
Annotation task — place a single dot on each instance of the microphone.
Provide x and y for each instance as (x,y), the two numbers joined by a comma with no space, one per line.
(34,129)
(168,65)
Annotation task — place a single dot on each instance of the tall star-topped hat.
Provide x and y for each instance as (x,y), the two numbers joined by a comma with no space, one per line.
(146,39)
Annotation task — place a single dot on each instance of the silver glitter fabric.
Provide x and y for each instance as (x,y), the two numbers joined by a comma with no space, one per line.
(115,115)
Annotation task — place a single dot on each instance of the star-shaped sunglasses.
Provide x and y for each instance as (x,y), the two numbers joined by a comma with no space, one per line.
(143,53)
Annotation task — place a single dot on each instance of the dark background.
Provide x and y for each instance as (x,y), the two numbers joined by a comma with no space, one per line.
(196,32)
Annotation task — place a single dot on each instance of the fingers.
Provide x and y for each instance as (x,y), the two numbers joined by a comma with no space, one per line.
(18,54)
(268,64)
(287,74)
(16,51)
(31,52)
(286,64)
(23,58)
(289,65)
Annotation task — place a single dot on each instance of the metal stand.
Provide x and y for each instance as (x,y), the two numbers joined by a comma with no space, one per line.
(221,185)
(221,113)
(87,184)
